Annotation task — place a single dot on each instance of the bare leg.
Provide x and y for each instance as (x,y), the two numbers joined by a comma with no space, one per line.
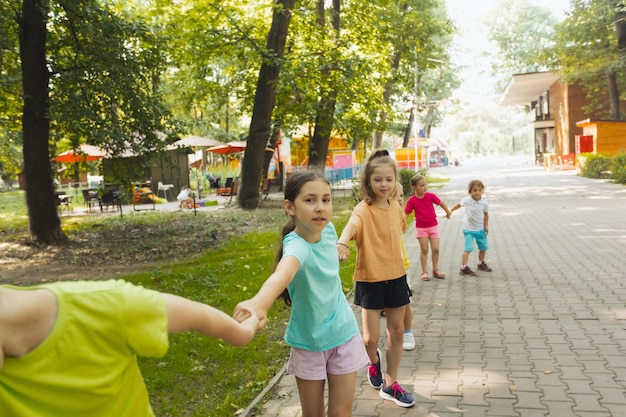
(423,253)
(481,255)
(341,394)
(371,332)
(434,248)
(408,317)
(395,331)
(465,258)
(312,397)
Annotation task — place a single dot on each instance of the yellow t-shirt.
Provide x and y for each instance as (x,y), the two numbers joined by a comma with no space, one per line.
(87,366)
(405,256)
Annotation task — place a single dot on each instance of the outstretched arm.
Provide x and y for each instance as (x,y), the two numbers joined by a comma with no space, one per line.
(447,210)
(455,207)
(184,314)
(343,244)
(260,304)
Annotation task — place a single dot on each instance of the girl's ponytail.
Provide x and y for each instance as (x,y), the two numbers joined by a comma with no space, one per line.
(287,228)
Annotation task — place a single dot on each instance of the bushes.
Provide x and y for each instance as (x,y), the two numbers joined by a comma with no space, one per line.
(594,166)
(618,168)
(600,166)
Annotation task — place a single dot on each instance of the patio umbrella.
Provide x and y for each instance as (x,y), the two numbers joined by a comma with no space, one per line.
(84,153)
(228,148)
(197,142)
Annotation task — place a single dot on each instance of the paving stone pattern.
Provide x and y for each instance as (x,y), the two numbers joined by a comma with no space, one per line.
(544,334)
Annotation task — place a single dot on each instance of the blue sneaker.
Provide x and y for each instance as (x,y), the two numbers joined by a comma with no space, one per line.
(396,394)
(374,376)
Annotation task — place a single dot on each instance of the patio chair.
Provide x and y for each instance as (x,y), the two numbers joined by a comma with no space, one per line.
(64,201)
(111,198)
(227,189)
(233,191)
(265,189)
(91,198)
(165,188)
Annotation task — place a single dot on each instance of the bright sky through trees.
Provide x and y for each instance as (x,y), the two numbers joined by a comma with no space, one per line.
(471,41)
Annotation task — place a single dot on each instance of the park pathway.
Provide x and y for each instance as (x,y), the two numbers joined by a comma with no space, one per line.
(544,334)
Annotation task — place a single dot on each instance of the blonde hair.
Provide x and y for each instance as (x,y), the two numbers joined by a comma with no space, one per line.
(397,193)
(377,159)
(417,178)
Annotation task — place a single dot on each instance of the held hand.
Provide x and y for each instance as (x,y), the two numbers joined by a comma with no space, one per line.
(244,312)
(344,252)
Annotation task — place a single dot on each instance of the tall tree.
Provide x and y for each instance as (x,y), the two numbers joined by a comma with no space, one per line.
(417,35)
(44,222)
(264,99)
(589,47)
(90,73)
(520,31)
(318,145)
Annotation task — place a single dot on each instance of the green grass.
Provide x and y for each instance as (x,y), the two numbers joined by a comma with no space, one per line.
(14,216)
(198,376)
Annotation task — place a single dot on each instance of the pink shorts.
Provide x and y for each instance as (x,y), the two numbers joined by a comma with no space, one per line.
(429,232)
(314,366)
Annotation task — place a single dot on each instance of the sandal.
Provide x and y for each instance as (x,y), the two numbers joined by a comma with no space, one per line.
(425,276)
(438,274)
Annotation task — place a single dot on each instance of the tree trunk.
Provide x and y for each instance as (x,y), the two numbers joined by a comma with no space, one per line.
(45,226)
(613,96)
(382,117)
(318,145)
(620,29)
(429,114)
(409,129)
(264,99)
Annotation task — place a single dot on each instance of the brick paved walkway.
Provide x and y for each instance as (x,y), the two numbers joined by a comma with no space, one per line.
(544,334)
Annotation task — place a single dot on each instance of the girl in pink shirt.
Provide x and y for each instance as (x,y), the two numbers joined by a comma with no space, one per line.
(422,204)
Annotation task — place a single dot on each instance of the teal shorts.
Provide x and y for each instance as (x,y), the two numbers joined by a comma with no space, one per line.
(475,235)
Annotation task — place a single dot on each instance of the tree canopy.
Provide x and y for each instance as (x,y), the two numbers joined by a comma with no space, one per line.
(135,74)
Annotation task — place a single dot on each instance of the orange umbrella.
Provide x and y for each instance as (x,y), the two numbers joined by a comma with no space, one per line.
(85,153)
(227,148)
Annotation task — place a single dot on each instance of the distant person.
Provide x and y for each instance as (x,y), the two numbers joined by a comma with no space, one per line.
(376,225)
(322,331)
(475,226)
(422,203)
(184,197)
(408,339)
(70,348)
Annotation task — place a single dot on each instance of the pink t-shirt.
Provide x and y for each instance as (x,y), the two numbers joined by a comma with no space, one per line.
(424,209)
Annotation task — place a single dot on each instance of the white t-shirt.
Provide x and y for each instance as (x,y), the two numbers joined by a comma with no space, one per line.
(474,219)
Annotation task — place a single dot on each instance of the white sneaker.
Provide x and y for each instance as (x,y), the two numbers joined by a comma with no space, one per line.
(408,341)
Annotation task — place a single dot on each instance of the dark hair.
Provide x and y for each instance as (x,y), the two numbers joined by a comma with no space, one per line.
(378,158)
(292,189)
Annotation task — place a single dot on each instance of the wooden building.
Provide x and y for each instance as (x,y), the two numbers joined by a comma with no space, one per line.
(605,137)
(557,116)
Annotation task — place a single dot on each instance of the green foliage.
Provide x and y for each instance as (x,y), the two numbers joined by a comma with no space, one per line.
(404,177)
(13,215)
(586,49)
(594,166)
(520,31)
(618,168)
